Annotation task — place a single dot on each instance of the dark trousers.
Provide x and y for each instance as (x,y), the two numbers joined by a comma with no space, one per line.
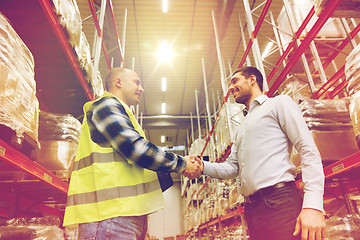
(273,216)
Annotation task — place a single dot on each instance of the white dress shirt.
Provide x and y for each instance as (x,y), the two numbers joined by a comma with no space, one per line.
(260,154)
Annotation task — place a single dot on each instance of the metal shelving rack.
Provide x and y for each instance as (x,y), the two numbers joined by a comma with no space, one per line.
(41,188)
(344,173)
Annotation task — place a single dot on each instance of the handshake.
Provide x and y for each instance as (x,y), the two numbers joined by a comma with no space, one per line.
(194,167)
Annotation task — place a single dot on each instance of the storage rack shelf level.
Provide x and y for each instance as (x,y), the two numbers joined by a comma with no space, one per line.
(233,216)
(57,70)
(55,188)
(59,32)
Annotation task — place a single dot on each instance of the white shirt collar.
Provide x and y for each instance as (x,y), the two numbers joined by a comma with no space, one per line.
(259,100)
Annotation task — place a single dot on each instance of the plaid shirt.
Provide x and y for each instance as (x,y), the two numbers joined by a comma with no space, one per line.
(110,124)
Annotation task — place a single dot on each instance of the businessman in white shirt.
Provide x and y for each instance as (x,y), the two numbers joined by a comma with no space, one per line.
(274,209)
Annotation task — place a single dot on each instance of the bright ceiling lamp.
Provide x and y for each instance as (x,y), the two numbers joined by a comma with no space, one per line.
(162,139)
(163,108)
(165,53)
(165,6)
(163,84)
(267,50)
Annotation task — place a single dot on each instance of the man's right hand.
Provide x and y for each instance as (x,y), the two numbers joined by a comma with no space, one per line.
(194,167)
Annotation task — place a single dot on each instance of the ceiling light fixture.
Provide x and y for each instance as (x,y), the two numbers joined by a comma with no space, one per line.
(162,139)
(163,108)
(165,6)
(163,84)
(165,53)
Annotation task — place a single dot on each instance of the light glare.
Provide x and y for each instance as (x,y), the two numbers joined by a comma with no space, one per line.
(165,6)
(165,53)
(162,139)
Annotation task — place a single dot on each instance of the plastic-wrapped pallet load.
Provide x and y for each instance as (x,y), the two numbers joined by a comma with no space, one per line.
(84,57)
(69,17)
(297,88)
(59,137)
(19,107)
(299,10)
(32,229)
(223,128)
(352,73)
(330,125)
(346,9)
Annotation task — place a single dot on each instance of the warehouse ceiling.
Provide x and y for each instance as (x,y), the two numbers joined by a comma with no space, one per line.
(188,27)
(142,26)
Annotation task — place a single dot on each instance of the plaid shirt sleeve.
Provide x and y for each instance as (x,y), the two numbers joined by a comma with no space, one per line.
(112,125)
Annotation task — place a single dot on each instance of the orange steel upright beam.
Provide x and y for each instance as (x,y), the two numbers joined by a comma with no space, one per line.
(324,16)
(255,32)
(50,15)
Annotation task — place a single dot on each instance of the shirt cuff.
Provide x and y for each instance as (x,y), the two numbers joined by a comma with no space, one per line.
(181,165)
(314,201)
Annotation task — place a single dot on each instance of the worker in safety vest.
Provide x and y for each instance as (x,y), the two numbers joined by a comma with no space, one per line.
(114,184)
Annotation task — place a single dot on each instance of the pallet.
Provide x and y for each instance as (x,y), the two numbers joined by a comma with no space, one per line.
(24,144)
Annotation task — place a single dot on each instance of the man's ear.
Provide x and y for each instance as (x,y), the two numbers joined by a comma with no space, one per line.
(118,82)
(252,80)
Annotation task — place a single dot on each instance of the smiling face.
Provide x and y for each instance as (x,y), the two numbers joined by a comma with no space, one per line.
(240,87)
(131,88)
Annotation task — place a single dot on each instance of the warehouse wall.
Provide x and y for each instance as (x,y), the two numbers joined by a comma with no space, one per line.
(169,221)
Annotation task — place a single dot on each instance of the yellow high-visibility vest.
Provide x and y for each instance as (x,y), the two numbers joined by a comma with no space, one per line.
(104,184)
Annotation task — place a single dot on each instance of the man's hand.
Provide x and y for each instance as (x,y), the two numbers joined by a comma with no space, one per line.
(193,168)
(311,224)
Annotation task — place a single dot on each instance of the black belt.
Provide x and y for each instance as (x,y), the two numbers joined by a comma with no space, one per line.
(259,194)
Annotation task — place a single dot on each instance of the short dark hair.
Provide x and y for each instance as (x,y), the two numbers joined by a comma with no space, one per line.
(248,71)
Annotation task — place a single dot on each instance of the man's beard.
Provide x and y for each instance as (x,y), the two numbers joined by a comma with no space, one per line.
(243,99)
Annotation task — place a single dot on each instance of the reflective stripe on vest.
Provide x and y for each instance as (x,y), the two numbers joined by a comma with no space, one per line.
(112,193)
(97,158)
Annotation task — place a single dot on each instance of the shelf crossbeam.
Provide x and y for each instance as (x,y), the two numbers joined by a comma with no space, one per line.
(324,16)
(54,23)
(20,161)
(338,167)
(343,165)
(340,73)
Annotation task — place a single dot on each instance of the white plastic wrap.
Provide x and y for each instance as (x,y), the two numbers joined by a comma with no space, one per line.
(19,107)
(69,17)
(296,88)
(352,70)
(346,8)
(327,114)
(197,147)
(223,128)
(32,229)
(299,10)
